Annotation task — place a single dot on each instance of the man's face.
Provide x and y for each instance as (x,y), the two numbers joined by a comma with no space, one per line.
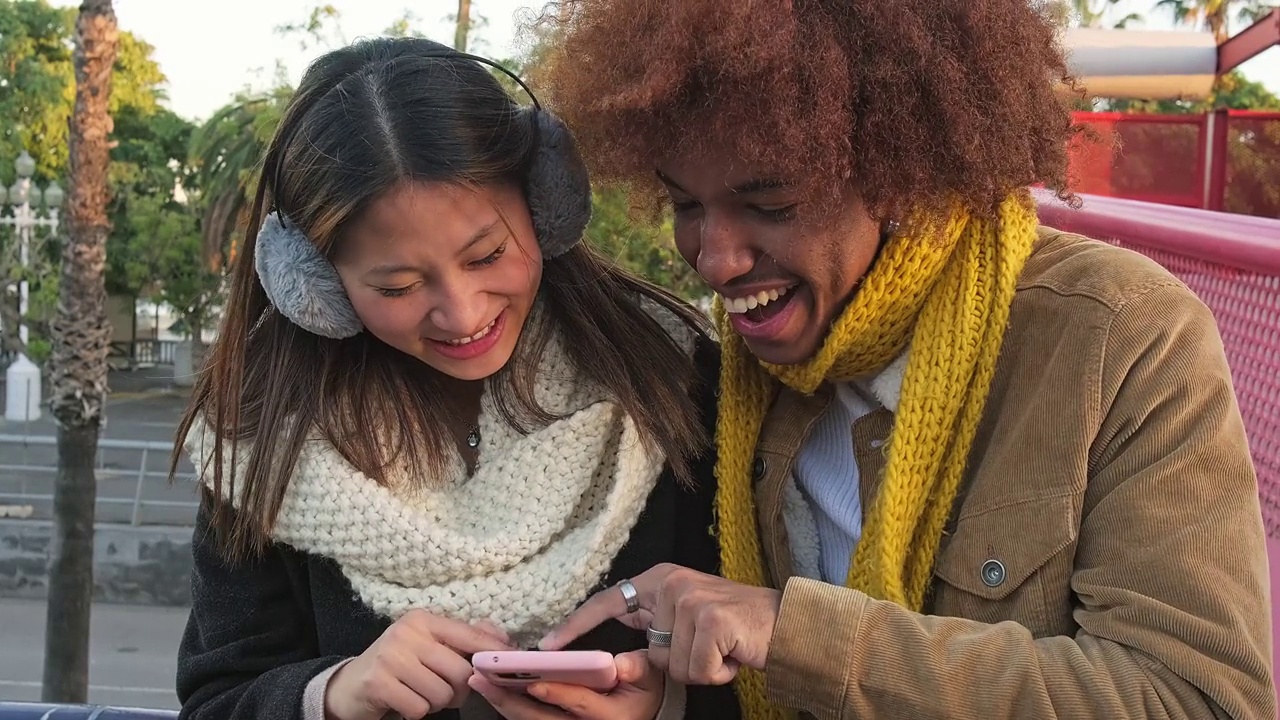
(783,278)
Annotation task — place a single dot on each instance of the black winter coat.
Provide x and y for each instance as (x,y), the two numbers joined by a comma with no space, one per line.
(259,631)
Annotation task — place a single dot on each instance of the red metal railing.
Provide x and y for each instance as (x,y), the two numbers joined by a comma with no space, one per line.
(1226,160)
(1152,158)
(1233,263)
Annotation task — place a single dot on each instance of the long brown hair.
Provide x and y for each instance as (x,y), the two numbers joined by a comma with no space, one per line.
(365,118)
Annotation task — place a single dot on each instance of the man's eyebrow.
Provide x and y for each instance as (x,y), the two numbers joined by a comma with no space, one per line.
(759,185)
(746,188)
(668,181)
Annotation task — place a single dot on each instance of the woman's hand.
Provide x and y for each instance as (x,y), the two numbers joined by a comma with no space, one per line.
(418,666)
(638,696)
(713,625)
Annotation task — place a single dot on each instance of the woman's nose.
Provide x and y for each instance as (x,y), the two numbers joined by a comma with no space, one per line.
(459,313)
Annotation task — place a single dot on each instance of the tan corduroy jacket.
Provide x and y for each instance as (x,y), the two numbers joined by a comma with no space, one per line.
(1106,558)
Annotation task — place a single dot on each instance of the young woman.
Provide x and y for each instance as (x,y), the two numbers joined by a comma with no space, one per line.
(969,467)
(434,421)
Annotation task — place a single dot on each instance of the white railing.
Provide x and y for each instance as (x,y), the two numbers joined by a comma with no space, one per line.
(144,477)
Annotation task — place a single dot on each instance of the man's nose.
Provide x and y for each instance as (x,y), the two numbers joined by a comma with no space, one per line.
(724,251)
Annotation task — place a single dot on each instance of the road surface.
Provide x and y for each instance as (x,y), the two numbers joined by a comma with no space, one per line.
(132,653)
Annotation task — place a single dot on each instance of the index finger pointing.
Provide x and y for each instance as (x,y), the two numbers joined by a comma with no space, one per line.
(605,605)
(464,638)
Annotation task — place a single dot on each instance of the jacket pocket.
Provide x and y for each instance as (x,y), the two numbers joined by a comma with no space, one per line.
(1011,562)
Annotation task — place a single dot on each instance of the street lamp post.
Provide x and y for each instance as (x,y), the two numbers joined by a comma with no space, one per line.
(22,379)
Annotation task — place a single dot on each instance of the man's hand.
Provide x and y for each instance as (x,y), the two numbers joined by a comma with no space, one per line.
(716,625)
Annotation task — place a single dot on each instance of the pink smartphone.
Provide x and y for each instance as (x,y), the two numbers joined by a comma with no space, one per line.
(593,669)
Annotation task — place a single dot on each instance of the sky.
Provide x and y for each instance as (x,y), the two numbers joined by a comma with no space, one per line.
(209,56)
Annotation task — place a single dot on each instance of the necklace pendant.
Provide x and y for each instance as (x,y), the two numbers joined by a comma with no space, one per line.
(473,438)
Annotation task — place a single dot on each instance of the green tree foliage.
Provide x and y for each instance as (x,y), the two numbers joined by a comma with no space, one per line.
(225,153)
(321,28)
(148,159)
(166,258)
(404,26)
(1215,15)
(1096,14)
(37,84)
(643,248)
(148,166)
(1232,90)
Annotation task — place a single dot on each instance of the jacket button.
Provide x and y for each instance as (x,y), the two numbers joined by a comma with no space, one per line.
(993,573)
(757,469)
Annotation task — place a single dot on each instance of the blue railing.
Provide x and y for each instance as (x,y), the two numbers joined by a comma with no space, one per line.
(46,711)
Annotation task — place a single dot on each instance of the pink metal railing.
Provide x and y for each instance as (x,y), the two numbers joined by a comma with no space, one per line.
(1233,263)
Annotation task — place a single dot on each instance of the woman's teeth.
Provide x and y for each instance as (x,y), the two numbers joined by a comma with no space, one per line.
(477,336)
(750,302)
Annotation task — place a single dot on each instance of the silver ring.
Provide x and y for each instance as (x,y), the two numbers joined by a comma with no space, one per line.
(630,595)
(658,638)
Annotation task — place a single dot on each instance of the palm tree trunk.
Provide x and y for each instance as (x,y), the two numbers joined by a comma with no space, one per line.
(1217,22)
(463,27)
(79,364)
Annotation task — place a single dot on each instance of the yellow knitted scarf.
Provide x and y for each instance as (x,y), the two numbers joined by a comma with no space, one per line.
(944,291)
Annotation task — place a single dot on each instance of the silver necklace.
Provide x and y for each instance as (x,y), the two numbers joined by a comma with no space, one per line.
(473,437)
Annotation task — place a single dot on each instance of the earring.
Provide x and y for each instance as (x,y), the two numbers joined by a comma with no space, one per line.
(891,228)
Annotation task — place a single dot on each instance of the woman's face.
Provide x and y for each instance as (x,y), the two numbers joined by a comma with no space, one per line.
(445,273)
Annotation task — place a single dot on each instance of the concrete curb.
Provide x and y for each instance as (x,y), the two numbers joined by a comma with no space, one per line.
(149,565)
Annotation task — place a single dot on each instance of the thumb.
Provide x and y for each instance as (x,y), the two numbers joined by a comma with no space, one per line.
(633,667)
(725,673)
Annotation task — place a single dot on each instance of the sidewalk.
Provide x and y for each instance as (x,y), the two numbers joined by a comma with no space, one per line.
(132,652)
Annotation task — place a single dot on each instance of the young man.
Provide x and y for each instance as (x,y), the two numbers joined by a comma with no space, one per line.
(968,467)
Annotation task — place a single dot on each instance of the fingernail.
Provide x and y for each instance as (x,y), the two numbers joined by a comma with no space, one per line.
(538,691)
(625,665)
(547,642)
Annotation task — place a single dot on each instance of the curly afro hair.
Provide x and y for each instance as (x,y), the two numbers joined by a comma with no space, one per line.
(913,104)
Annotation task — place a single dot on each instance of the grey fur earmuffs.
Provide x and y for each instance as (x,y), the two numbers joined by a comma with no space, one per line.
(304,286)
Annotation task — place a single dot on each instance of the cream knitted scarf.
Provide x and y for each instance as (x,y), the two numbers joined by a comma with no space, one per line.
(519,543)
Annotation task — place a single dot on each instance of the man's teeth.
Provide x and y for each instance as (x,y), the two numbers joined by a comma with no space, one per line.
(740,305)
(477,336)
